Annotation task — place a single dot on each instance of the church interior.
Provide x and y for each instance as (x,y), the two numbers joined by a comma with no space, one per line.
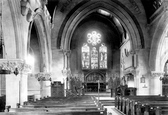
(64,48)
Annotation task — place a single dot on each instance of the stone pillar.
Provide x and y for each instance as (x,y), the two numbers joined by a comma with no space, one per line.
(23,88)
(65,86)
(2,85)
(156,83)
(22,70)
(45,89)
(66,70)
(16,81)
(12,90)
(44,79)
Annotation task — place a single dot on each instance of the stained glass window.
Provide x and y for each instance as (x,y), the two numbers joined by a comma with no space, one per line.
(94,53)
(102,56)
(94,58)
(85,56)
(94,38)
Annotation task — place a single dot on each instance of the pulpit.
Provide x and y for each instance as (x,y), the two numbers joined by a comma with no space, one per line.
(130,91)
(57,89)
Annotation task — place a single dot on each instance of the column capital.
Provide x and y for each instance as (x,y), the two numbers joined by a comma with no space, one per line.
(12,64)
(66,52)
(157,74)
(66,72)
(42,76)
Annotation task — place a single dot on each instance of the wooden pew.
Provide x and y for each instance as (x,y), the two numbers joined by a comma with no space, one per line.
(150,105)
(135,104)
(156,108)
(57,113)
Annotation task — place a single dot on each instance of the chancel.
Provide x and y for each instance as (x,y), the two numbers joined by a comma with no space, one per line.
(82,57)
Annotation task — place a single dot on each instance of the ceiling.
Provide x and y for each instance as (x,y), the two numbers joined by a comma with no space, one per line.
(150,6)
(108,23)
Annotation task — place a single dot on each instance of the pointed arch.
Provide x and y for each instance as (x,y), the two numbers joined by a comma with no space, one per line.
(117,9)
(158,39)
(44,41)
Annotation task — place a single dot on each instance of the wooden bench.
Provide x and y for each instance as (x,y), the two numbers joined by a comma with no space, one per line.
(53,109)
(58,113)
(143,100)
(134,105)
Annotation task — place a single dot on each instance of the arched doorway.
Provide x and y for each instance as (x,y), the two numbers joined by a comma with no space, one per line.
(95,81)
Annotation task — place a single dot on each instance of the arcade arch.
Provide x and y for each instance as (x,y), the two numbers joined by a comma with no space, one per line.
(159,54)
(39,43)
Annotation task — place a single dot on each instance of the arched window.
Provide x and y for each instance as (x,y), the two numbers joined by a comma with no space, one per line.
(94,58)
(103,56)
(85,56)
(94,53)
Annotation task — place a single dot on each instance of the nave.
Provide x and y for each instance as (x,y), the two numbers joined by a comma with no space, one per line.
(94,104)
(88,104)
(50,48)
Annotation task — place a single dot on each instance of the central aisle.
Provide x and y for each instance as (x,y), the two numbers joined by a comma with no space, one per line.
(106,101)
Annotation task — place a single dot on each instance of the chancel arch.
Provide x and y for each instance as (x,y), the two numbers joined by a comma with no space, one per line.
(124,25)
(126,19)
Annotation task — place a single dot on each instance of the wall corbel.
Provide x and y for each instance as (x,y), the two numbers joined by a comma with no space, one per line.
(29,16)
(25,7)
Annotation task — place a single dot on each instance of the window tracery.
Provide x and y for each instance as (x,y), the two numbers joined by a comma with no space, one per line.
(94,53)
(85,56)
(103,56)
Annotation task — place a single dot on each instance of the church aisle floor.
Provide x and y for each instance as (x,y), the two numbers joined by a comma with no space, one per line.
(107,101)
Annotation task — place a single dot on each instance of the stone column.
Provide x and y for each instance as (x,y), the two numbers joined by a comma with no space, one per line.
(23,88)
(66,70)
(22,70)
(12,90)
(16,81)
(44,79)
(156,83)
